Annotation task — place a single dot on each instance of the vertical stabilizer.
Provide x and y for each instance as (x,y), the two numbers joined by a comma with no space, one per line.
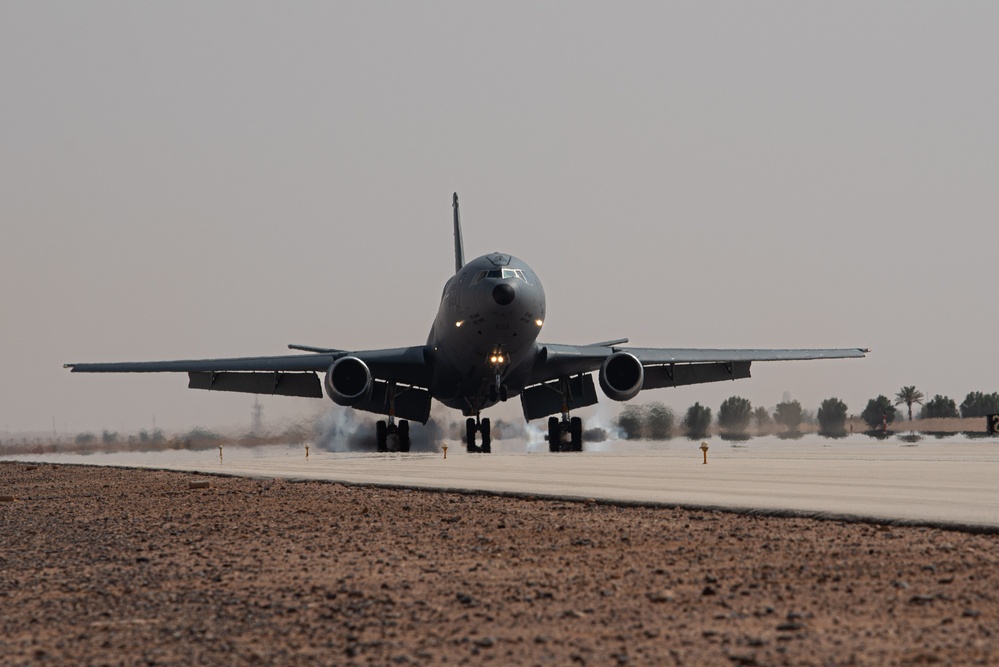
(459,247)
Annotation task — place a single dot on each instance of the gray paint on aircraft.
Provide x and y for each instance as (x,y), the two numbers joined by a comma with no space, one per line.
(484,337)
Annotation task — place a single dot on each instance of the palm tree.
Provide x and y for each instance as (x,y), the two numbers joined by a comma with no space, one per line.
(909,395)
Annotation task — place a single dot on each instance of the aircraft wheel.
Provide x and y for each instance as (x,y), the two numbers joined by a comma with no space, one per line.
(554,434)
(504,394)
(576,434)
(492,394)
(381,436)
(470,436)
(404,441)
(487,441)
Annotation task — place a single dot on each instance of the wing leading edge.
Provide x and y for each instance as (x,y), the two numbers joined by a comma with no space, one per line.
(286,375)
(562,377)
(566,360)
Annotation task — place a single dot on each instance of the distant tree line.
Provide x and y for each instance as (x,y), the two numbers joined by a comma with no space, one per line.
(655,421)
(977,404)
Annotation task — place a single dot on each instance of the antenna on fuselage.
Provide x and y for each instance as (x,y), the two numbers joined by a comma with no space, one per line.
(459,247)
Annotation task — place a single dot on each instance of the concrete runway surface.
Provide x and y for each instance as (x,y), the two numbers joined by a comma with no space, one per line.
(932,482)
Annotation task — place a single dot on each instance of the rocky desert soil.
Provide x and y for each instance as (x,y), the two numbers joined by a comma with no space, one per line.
(134,567)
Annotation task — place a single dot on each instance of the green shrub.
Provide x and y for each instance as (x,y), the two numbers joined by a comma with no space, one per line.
(734,414)
(832,417)
(788,415)
(878,410)
(658,422)
(697,420)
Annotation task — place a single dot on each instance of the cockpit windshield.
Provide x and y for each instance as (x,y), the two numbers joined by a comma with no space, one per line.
(516,274)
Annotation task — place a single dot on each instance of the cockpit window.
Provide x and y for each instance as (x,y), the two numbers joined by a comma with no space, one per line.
(516,274)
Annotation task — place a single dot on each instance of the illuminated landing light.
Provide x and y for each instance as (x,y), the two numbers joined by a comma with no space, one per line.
(459,323)
(496,359)
(538,322)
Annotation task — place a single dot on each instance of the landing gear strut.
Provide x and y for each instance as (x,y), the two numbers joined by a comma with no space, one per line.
(565,434)
(482,427)
(392,437)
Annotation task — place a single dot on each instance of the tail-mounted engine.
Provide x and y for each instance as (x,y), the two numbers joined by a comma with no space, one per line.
(348,381)
(621,376)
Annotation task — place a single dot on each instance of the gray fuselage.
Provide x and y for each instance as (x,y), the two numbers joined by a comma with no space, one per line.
(487,326)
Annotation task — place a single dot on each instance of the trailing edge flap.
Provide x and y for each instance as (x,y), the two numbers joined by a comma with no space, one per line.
(410,402)
(675,375)
(306,385)
(546,399)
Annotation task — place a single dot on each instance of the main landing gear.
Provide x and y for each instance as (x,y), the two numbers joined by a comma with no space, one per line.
(392,437)
(473,425)
(565,434)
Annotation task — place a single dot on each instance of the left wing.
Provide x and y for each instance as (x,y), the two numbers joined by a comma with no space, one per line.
(286,375)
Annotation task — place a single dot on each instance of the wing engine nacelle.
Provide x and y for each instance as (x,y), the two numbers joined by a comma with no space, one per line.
(348,381)
(621,376)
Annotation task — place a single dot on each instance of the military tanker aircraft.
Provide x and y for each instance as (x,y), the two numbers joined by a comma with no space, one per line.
(482,349)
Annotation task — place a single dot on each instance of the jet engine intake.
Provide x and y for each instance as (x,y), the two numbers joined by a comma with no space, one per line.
(348,381)
(621,376)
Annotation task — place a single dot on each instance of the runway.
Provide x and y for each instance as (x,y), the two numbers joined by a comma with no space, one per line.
(936,482)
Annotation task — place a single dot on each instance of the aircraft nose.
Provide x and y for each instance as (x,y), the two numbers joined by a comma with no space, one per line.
(503,294)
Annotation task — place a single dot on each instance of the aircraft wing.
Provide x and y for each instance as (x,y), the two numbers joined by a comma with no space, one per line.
(287,375)
(566,360)
(281,364)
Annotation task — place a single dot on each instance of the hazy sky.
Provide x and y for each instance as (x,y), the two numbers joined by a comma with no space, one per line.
(183,180)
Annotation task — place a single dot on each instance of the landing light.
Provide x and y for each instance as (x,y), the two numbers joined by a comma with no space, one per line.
(459,323)
(538,322)
(496,359)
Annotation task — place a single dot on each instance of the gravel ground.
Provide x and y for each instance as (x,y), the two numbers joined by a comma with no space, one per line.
(119,566)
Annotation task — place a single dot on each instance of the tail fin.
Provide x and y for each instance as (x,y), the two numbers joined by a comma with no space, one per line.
(459,247)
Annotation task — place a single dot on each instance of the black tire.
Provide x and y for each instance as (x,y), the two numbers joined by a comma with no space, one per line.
(576,434)
(381,436)
(470,436)
(554,435)
(404,435)
(487,440)
(493,396)
(504,394)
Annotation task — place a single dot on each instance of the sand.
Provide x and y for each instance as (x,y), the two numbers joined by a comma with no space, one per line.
(122,566)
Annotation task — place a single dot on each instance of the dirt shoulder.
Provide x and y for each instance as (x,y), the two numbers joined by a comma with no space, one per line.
(118,566)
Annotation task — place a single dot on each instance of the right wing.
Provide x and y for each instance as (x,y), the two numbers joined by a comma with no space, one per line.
(561,374)
(565,360)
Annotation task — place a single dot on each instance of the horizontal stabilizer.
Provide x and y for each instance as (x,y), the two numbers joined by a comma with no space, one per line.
(459,246)
(317,350)
(609,343)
